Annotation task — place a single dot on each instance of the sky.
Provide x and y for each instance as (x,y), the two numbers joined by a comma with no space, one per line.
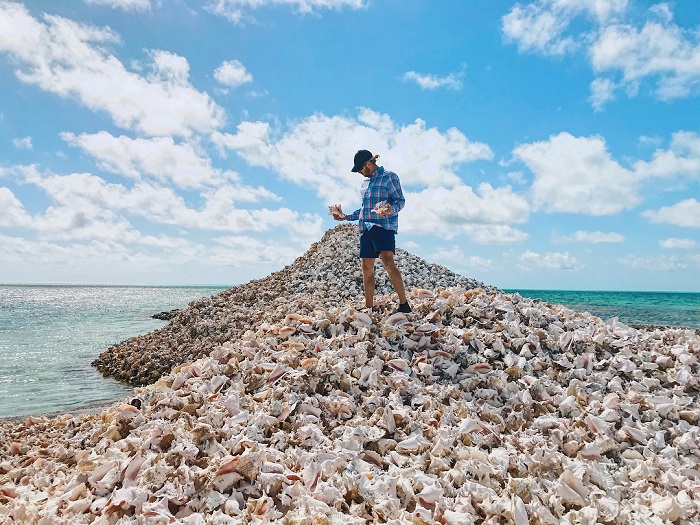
(547,144)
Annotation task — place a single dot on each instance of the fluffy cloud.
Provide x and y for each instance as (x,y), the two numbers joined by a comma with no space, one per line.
(85,206)
(13,213)
(672,243)
(161,158)
(540,26)
(234,10)
(317,152)
(232,74)
(454,258)
(70,59)
(593,237)
(663,263)
(23,143)
(685,213)
(486,215)
(681,159)
(622,54)
(578,175)
(549,260)
(659,50)
(126,5)
(452,81)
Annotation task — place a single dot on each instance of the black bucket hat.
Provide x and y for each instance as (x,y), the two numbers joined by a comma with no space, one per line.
(361,158)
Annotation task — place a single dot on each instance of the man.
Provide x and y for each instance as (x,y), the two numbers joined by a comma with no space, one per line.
(382,199)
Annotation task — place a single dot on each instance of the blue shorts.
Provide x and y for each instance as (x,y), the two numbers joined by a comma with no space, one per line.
(375,240)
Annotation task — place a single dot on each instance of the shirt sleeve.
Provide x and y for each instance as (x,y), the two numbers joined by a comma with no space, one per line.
(354,215)
(396,198)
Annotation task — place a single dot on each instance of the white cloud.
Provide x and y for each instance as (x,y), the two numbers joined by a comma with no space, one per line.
(234,10)
(126,5)
(232,74)
(71,60)
(160,158)
(549,260)
(85,206)
(685,213)
(578,175)
(23,143)
(540,26)
(681,159)
(659,50)
(594,237)
(673,243)
(13,213)
(452,81)
(622,54)
(455,258)
(663,263)
(485,215)
(602,92)
(317,152)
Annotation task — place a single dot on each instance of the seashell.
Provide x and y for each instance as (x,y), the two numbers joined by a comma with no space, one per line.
(479,368)
(411,445)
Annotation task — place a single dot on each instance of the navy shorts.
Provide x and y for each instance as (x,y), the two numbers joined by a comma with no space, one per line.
(375,240)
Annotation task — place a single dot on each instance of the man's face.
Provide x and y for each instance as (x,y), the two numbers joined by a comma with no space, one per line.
(369,168)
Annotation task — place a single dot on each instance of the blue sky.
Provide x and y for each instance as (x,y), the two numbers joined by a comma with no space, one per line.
(540,144)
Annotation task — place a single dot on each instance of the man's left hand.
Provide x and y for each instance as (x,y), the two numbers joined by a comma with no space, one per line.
(385,211)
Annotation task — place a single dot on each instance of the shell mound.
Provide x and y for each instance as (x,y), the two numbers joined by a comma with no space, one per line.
(480,408)
(329,273)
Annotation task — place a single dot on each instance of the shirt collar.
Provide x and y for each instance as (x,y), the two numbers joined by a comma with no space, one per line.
(378,171)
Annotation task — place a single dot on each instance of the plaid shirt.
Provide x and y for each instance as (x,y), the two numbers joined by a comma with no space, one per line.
(381,186)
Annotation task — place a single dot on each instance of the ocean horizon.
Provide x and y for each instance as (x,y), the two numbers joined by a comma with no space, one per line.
(50,333)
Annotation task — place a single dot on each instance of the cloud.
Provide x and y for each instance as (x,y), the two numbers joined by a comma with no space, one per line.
(663,263)
(317,152)
(85,206)
(161,159)
(681,159)
(593,237)
(455,258)
(13,213)
(549,260)
(486,215)
(672,243)
(540,26)
(234,10)
(71,60)
(232,74)
(660,50)
(23,143)
(622,53)
(685,213)
(126,5)
(578,175)
(452,81)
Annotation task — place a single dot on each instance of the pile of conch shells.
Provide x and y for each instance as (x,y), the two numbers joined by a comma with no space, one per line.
(479,408)
(329,272)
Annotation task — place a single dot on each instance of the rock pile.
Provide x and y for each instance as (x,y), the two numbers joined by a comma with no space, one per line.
(479,408)
(329,273)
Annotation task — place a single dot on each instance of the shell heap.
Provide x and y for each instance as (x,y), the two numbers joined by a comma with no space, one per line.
(479,408)
(328,273)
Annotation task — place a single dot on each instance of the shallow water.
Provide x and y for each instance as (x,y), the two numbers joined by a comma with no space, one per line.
(50,334)
(655,308)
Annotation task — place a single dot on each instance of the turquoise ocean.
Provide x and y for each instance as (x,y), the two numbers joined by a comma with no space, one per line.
(49,335)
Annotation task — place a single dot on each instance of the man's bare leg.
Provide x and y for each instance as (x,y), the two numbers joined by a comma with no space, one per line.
(387,258)
(368,281)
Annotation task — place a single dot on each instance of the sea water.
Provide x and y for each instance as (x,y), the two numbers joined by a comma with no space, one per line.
(646,308)
(49,335)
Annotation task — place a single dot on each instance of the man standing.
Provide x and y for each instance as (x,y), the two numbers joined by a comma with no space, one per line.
(382,199)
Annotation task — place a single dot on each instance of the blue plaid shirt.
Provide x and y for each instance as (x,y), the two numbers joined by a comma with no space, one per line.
(381,186)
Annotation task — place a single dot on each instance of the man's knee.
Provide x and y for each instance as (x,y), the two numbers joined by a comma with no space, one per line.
(368,265)
(387,258)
